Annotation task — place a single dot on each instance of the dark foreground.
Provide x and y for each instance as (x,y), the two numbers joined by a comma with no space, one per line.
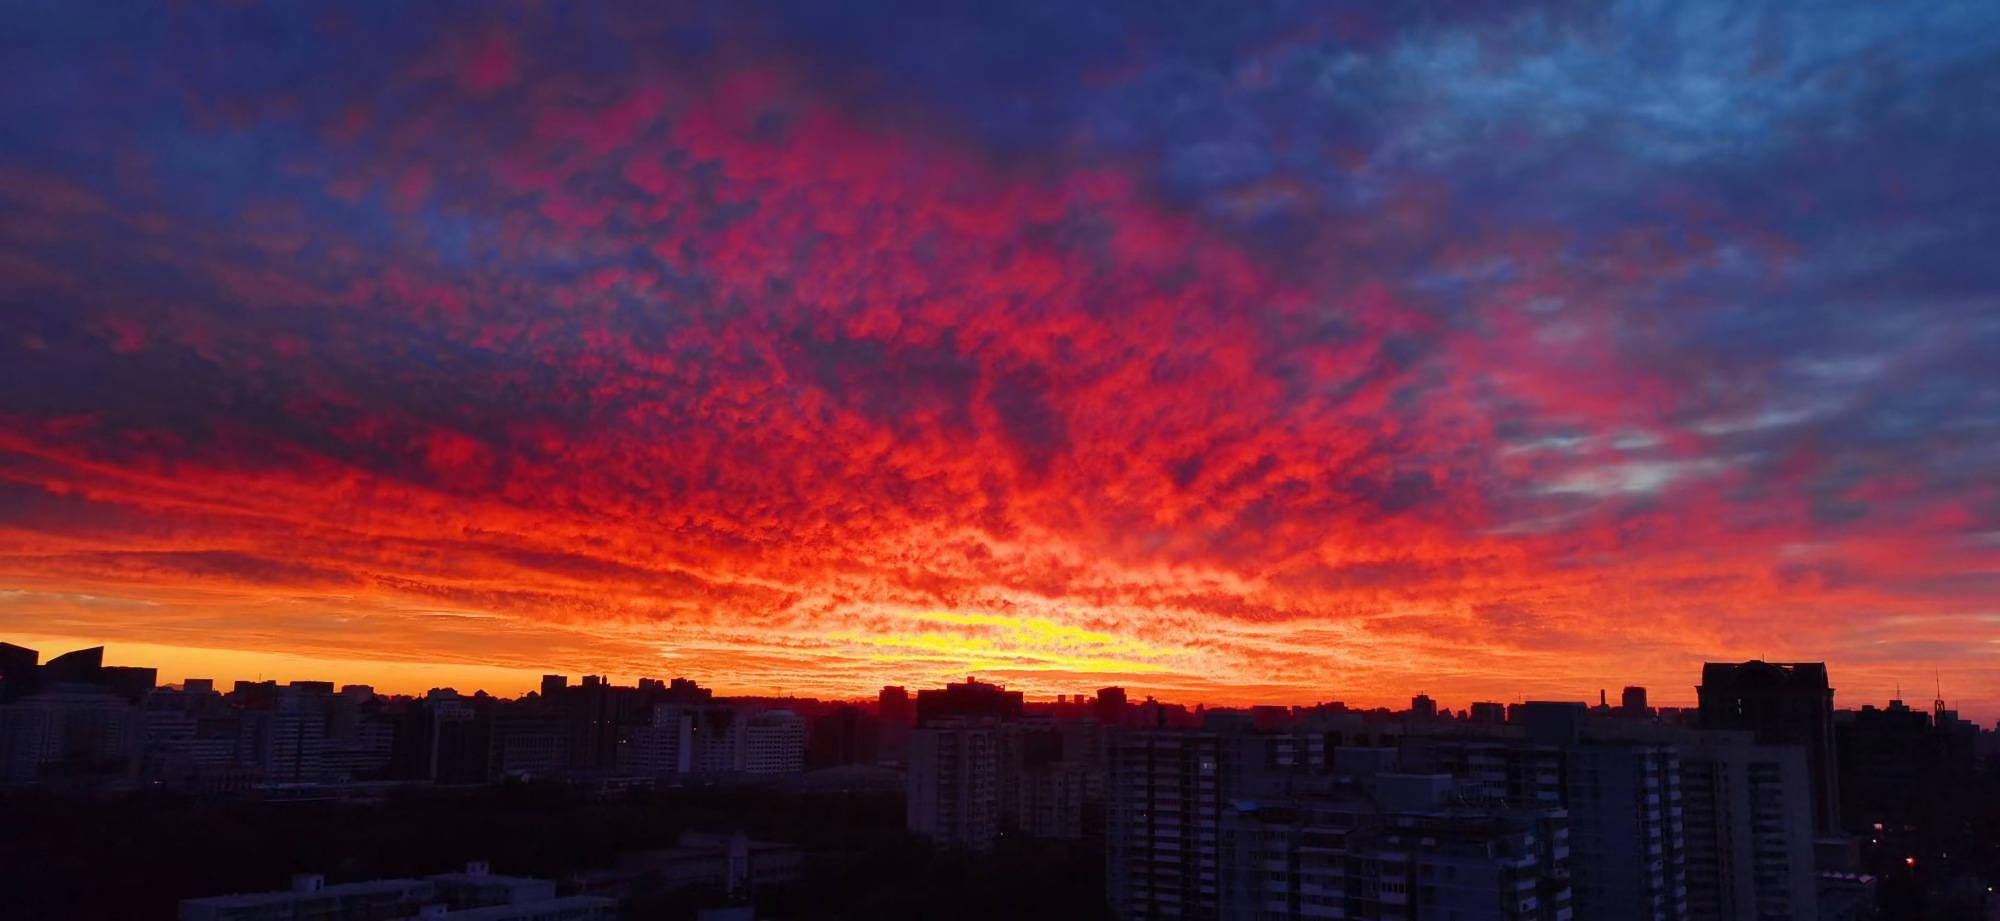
(138,856)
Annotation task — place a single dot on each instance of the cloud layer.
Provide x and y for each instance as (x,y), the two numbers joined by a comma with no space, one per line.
(1283,355)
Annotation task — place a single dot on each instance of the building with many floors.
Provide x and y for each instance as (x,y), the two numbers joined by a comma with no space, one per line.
(953,783)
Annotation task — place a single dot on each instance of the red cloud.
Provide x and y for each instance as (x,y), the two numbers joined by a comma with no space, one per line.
(715,375)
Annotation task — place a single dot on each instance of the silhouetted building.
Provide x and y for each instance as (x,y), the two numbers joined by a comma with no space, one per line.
(893,706)
(845,736)
(86,667)
(971,699)
(1899,765)
(897,713)
(18,667)
(1781,703)
(71,720)
(1109,707)
(1632,702)
(1423,707)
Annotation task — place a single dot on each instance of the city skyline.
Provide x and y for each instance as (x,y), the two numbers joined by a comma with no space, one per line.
(1359,699)
(1239,355)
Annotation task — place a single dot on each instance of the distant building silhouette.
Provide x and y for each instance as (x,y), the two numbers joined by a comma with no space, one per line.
(971,699)
(1488,712)
(1423,707)
(893,705)
(1109,707)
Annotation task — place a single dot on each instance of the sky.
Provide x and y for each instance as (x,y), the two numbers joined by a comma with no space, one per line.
(1229,352)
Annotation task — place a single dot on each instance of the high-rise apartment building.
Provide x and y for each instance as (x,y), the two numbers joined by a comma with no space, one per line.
(953,784)
(1359,851)
(1164,797)
(1748,824)
(1782,703)
(1624,802)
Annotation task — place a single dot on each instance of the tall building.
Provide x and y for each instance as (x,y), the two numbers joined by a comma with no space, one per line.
(1748,821)
(954,784)
(1782,703)
(1624,802)
(893,705)
(1164,796)
(1622,798)
(896,713)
